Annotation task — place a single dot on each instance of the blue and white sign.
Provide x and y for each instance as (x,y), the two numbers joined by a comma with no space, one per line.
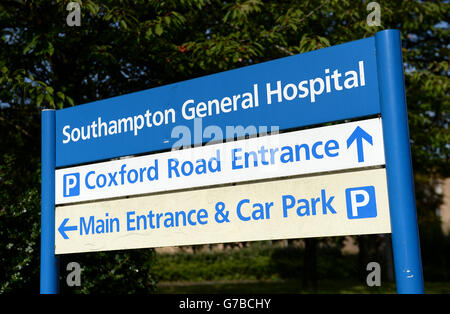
(356,80)
(361,202)
(71,184)
(326,85)
(313,206)
(337,147)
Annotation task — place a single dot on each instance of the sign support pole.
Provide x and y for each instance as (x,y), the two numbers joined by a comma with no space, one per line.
(405,233)
(49,280)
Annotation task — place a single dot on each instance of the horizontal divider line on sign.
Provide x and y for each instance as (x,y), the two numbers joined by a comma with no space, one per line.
(240,138)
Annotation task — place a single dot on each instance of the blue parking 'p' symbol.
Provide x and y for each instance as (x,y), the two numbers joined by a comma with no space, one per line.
(361,202)
(71,184)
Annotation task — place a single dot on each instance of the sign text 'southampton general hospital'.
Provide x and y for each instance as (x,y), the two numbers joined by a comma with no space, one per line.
(190,109)
(295,91)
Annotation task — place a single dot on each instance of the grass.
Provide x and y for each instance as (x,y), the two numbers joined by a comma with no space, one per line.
(260,263)
(287,287)
(262,268)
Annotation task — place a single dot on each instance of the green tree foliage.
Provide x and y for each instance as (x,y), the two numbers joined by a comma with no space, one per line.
(129,45)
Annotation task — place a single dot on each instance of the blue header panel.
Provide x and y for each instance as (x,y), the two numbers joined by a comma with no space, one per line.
(330,84)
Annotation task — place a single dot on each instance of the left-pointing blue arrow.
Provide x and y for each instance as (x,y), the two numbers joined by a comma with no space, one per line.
(63,228)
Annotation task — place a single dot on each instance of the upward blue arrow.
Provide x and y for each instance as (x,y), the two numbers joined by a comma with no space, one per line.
(63,228)
(358,135)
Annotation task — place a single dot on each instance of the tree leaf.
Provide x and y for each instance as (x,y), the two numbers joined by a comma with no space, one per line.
(158,29)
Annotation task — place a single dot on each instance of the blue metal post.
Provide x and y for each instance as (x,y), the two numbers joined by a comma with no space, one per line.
(49,262)
(405,233)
